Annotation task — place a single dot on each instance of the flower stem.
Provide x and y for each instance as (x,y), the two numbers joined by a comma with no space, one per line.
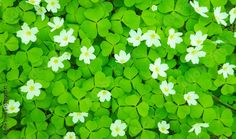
(4,111)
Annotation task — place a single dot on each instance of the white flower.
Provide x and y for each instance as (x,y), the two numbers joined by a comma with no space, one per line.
(174,38)
(218,42)
(200,10)
(55,63)
(27,34)
(154,8)
(197,127)
(104,95)
(163,127)
(70,135)
(158,69)
(198,38)
(232,14)
(57,23)
(135,37)
(194,54)
(87,54)
(65,37)
(53,5)
(220,17)
(122,57)
(167,88)
(40,11)
(65,56)
(191,98)
(227,69)
(32,88)
(12,106)
(117,128)
(234,34)
(34,2)
(78,116)
(152,38)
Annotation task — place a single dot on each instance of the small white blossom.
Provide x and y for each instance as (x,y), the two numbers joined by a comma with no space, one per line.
(234,34)
(135,37)
(167,88)
(32,88)
(70,135)
(104,95)
(78,116)
(53,5)
(87,54)
(27,34)
(122,57)
(194,54)
(227,69)
(163,127)
(55,63)
(218,42)
(152,38)
(40,11)
(200,10)
(174,38)
(34,2)
(197,128)
(12,106)
(158,68)
(65,56)
(191,98)
(117,128)
(232,14)
(220,17)
(154,8)
(57,23)
(65,38)
(197,39)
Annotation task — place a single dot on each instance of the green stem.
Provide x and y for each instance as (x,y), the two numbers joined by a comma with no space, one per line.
(4,111)
(224,104)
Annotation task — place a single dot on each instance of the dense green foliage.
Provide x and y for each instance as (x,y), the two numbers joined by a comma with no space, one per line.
(136,97)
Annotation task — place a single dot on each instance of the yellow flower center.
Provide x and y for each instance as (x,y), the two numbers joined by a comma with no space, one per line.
(194,52)
(163,129)
(28,33)
(122,61)
(40,10)
(32,1)
(12,108)
(55,61)
(157,69)
(197,9)
(137,38)
(225,68)
(104,92)
(78,113)
(172,36)
(57,26)
(65,38)
(117,129)
(86,54)
(31,88)
(166,89)
(71,137)
(199,41)
(234,11)
(188,97)
(52,3)
(153,36)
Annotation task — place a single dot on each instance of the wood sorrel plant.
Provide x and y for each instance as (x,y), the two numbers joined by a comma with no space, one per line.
(99,69)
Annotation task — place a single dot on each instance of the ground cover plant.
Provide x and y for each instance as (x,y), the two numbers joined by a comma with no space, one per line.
(103,69)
